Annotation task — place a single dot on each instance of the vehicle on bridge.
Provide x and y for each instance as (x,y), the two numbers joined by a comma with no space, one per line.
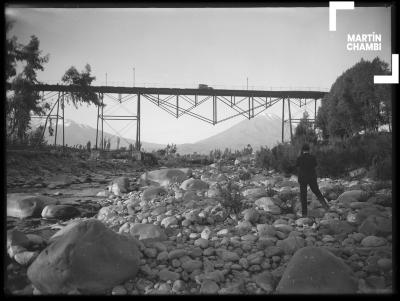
(205,87)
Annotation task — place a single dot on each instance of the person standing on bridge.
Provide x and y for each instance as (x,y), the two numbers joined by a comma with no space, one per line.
(307,175)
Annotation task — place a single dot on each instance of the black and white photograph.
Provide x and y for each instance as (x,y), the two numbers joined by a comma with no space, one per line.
(199,148)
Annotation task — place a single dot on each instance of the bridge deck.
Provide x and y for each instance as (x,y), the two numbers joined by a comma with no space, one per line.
(175,91)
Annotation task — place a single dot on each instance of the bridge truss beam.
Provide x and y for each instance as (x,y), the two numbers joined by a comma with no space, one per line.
(180,102)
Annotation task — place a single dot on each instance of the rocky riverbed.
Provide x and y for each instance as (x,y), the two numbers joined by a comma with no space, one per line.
(167,231)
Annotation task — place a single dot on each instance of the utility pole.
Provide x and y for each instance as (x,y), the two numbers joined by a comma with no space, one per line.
(247,80)
(133,76)
(106,78)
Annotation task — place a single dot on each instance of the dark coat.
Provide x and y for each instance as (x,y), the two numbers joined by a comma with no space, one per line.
(306,164)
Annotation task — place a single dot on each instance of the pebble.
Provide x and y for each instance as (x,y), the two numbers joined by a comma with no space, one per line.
(166,275)
(178,286)
(205,234)
(176,253)
(223,232)
(373,241)
(25,258)
(201,242)
(209,287)
(192,265)
(385,264)
(119,290)
(227,255)
(193,235)
(175,263)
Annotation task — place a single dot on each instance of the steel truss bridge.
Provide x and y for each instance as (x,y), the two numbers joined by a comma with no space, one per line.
(180,102)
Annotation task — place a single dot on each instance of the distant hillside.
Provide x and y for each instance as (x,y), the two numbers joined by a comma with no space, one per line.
(76,134)
(263,130)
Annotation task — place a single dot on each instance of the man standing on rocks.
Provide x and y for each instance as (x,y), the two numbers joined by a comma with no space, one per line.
(307,175)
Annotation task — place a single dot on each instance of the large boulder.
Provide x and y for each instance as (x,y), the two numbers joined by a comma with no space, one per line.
(17,242)
(268,204)
(265,280)
(337,227)
(86,257)
(364,213)
(60,212)
(119,185)
(376,225)
(164,177)
(251,215)
(254,193)
(326,187)
(350,196)
(22,206)
(153,192)
(106,214)
(314,270)
(169,221)
(291,244)
(194,184)
(147,232)
(288,183)
(373,241)
(17,238)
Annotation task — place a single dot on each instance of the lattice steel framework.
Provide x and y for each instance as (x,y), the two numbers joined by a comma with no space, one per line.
(180,102)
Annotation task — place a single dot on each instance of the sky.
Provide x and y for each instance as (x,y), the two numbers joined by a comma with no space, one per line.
(272,48)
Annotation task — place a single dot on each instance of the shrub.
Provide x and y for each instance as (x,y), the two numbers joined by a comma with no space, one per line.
(270,191)
(149,159)
(244,175)
(332,162)
(282,157)
(373,151)
(382,168)
(231,198)
(264,158)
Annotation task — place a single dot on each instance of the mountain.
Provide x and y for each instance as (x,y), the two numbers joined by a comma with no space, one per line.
(76,134)
(262,130)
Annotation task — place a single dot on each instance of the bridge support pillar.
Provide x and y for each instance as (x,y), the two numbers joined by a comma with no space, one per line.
(63,119)
(58,110)
(290,120)
(138,143)
(283,118)
(102,122)
(315,113)
(97,125)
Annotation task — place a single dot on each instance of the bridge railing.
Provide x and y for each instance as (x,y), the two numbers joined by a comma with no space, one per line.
(196,85)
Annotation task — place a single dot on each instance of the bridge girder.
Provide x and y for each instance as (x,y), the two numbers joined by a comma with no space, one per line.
(257,102)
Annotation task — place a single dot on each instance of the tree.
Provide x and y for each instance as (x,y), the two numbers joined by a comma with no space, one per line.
(11,50)
(161,152)
(227,153)
(304,131)
(35,137)
(83,80)
(170,149)
(248,150)
(355,104)
(24,98)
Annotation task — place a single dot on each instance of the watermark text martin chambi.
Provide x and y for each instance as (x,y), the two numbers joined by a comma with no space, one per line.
(364,42)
